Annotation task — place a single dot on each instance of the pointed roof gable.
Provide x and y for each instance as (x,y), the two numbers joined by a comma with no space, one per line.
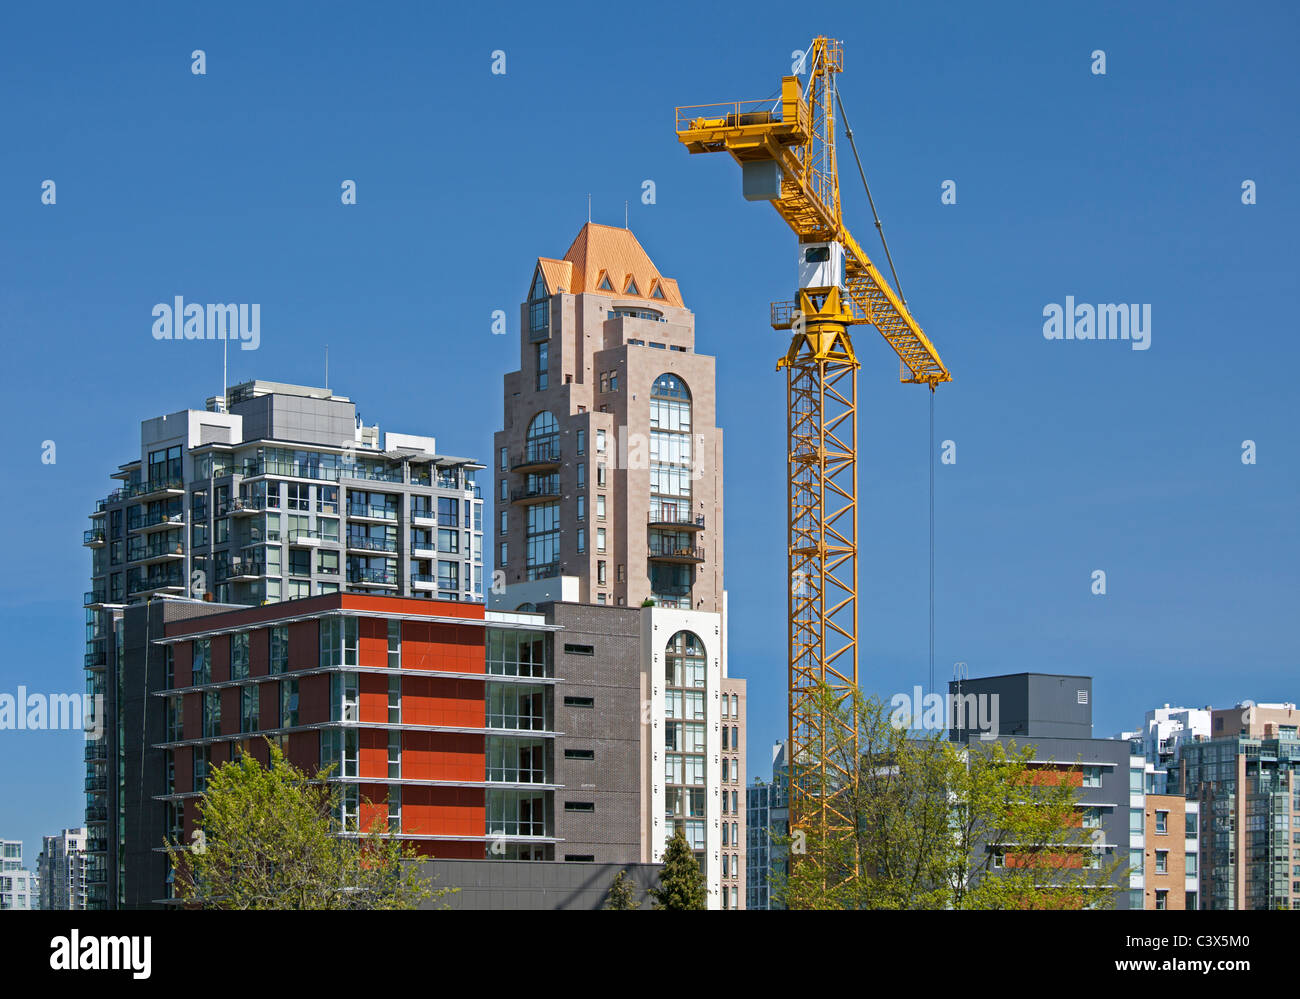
(603,248)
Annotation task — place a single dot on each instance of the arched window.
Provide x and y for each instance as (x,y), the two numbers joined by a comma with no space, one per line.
(543,441)
(685,730)
(526,608)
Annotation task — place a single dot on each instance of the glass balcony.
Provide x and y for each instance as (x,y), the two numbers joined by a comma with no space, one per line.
(93,597)
(538,492)
(372,511)
(678,519)
(154,488)
(97,750)
(362,543)
(93,538)
(372,577)
(97,784)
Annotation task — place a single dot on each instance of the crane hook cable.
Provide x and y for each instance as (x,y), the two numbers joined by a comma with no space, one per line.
(848,133)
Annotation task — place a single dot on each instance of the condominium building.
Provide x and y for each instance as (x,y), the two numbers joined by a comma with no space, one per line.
(609,463)
(62,870)
(19,888)
(768,808)
(1052,714)
(272,492)
(1243,775)
(609,523)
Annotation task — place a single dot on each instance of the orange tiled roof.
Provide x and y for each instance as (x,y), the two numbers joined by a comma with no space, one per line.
(604,249)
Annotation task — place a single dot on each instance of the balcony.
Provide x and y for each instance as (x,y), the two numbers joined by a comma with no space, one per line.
(310,539)
(361,543)
(423,581)
(372,577)
(97,750)
(244,570)
(158,522)
(97,784)
(155,489)
(94,597)
(537,457)
(159,553)
(680,520)
(96,813)
(366,511)
(661,551)
(97,877)
(96,653)
(541,492)
(93,538)
(96,845)
(423,513)
(243,508)
(428,545)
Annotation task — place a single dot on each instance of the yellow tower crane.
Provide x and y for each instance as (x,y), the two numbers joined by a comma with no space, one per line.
(786,150)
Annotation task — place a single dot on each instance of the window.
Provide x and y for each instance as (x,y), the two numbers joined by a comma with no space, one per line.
(579,754)
(579,702)
(200,768)
(541,363)
(394,755)
(582,475)
(1162,898)
(600,506)
(288,703)
(1189,865)
(211,713)
(579,650)
(600,476)
(1135,820)
(248,713)
(579,806)
(503,522)
(501,556)
(501,458)
(582,539)
(279,649)
(600,539)
(600,572)
(1092,776)
(201,668)
(1162,861)
(582,507)
(1162,823)
(582,442)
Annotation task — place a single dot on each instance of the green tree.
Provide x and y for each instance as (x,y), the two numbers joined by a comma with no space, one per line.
(268,838)
(622,893)
(929,824)
(681,883)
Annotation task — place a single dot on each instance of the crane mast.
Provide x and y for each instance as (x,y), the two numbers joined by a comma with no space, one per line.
(786,150)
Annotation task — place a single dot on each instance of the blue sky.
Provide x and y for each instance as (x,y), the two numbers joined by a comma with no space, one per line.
(1072,456)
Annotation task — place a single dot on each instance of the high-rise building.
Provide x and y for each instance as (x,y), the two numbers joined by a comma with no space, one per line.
(609,464)
(62,870)
(19,888)
(271,493)
(608,523)
(1244,776)
(768,807)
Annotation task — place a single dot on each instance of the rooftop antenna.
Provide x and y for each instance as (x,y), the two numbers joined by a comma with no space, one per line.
(625,225)
(224,341)
(327,367)
(588,209)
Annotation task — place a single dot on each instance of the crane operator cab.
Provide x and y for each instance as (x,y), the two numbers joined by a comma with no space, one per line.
(821,265)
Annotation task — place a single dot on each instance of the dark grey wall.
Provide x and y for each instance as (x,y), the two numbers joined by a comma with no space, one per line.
(611,729)
(1042,705)
(297,418)
(508,884)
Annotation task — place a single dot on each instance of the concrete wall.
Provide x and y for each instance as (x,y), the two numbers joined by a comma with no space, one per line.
(545,885)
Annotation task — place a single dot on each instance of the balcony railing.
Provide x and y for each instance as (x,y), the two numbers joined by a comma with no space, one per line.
(96,653)
(670,552)
(93,538)
(537,491)
(96,750)
(96,784)
(676,518)
(423,577)
(157,519)
(549,571)
(96,877)
(372,544)
(96,845)
(375,577)
(96,813)
(544,453)
(169,484)
(94,597)
(369,510)
(423,544)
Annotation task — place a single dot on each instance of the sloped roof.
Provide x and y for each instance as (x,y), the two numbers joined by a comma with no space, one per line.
(615,251)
